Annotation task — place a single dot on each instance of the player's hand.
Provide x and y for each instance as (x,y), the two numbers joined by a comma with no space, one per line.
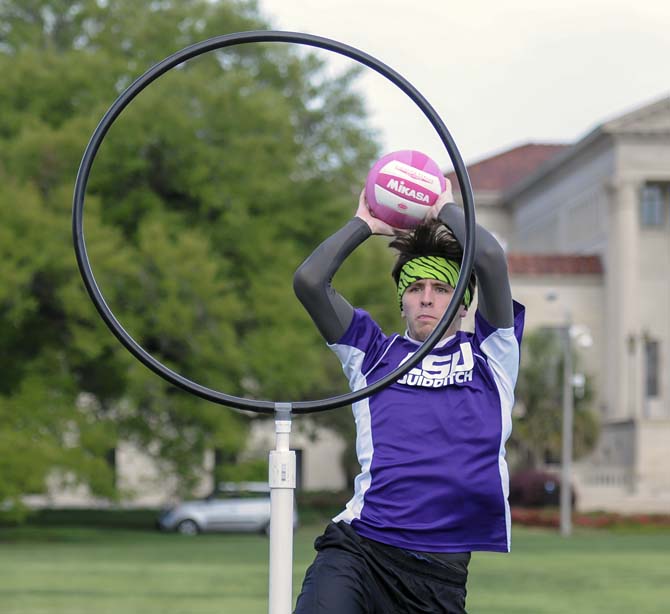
(377,226)
(446,197)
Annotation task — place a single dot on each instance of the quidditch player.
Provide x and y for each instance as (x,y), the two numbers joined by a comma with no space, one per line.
(433,481)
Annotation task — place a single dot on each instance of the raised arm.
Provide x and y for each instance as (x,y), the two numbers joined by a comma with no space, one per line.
(493,287)
(329,310)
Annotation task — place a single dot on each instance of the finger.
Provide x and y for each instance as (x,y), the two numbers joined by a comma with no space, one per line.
(443,198)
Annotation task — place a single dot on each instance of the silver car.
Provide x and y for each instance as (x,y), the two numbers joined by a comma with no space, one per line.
(243,506)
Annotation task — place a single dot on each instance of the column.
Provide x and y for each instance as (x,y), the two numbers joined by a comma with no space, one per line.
(622,275)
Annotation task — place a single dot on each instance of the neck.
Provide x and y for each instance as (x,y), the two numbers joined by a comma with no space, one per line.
(446,337)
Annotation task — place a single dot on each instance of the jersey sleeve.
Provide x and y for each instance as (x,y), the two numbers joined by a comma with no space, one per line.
(360,346)
(502,348)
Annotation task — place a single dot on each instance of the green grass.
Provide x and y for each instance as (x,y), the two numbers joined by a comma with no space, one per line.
(87,571)
(592,572)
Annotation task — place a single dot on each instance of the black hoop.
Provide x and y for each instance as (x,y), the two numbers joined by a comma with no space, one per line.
(229,40)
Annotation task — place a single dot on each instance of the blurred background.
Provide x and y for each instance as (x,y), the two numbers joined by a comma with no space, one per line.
(223,175)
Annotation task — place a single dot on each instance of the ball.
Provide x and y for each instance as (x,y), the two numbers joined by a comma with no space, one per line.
(401,186)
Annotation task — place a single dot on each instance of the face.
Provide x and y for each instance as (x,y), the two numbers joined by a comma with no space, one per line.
(424,304)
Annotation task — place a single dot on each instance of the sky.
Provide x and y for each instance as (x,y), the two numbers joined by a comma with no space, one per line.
(499,74)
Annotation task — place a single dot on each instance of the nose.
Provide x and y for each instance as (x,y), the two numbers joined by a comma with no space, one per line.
(427,296)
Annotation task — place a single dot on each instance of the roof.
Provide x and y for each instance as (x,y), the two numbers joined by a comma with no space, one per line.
(502,171)
(554,264)
(650,119)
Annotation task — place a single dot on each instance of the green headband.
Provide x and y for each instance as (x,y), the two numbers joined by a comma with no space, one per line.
(430,267)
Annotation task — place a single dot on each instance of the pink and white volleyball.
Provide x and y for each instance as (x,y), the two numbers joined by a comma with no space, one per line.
(401,186)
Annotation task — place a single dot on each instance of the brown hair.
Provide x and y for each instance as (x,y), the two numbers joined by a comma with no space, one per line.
(428,239)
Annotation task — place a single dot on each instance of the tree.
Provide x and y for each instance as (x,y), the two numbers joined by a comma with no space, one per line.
(536,436)
(205,196)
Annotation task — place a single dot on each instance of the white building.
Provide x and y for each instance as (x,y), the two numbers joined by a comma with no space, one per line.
(591,223)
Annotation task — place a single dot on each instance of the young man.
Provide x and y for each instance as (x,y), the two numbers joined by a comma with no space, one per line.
(433,483)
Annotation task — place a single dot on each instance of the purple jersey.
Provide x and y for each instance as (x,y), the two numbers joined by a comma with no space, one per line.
(432,445)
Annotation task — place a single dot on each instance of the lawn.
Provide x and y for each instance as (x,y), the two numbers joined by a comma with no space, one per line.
(86,571)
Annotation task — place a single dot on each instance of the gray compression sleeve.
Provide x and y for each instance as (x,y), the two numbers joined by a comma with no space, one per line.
(330,311)
(493,288)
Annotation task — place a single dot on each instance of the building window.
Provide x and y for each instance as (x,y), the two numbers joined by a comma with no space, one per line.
(651,368)
(653,200)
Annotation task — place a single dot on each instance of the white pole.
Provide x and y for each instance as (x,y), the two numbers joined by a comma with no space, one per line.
(566,453)
(282,484)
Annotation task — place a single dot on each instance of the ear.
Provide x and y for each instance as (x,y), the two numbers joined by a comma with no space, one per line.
(462,311)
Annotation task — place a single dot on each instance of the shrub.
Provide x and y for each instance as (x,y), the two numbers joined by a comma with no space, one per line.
(532,488)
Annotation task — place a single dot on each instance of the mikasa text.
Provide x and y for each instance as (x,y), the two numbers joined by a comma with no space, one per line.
(438,371)
(399,187)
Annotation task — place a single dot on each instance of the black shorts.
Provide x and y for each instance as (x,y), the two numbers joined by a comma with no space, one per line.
(354,575)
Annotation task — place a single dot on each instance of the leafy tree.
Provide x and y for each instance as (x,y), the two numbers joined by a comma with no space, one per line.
(205,196)
(536,436)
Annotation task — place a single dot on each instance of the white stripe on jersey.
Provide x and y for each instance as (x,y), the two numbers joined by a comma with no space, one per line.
(502,352)
(352,364)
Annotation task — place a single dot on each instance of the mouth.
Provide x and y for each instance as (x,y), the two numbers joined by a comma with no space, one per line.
(426,318)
